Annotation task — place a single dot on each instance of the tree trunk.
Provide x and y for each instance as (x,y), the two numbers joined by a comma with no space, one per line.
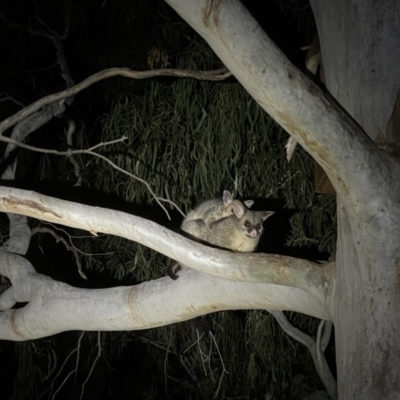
(360,45)
(367,308)
(360,54)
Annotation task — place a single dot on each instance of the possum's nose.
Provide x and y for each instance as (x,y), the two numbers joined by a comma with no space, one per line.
(253,233)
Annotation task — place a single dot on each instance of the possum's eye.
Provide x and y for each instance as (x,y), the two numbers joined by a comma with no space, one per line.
(247,224)
(258,227)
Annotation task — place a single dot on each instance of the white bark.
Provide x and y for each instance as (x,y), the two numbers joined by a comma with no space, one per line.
(55,307)
(20,235)
(254,267)
(315,347)
(361,54)
(32,123)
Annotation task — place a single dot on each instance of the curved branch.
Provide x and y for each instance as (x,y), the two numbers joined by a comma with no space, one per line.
(314,347)
(55,307)
(324,334)
(108,73)
(28,125)
(253,267)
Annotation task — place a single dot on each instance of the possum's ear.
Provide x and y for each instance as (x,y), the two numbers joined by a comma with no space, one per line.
(265,214)
(248,203)
(238,209)
(227,198)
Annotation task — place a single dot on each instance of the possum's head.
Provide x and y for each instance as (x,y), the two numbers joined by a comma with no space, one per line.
(250,222)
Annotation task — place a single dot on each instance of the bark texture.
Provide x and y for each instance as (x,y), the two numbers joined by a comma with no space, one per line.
(360,52)
(360,45)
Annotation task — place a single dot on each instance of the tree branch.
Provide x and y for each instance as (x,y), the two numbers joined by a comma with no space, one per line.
(253,267)
(71,158)
(352,161)
(28,125)
(108,73)
(20,235)
(314,348)
(57,307)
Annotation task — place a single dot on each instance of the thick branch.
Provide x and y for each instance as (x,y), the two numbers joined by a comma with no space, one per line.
(30,124)
(56,307)
(355,166)
(255,267)
(20,235)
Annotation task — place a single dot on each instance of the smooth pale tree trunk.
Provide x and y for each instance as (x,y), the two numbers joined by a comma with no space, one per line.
(360,43)
(361,53)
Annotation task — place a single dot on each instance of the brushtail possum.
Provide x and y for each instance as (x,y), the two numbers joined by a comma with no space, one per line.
(213,210)
(225,223)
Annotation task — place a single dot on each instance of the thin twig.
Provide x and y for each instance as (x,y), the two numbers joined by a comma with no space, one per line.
(203,357)
(5,96)
(68,134)
(224,371)
(66,245)
(78,354)
(59,372)
(89,151)
(94,363)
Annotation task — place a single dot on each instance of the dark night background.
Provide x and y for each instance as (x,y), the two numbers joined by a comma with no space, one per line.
(120,34)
